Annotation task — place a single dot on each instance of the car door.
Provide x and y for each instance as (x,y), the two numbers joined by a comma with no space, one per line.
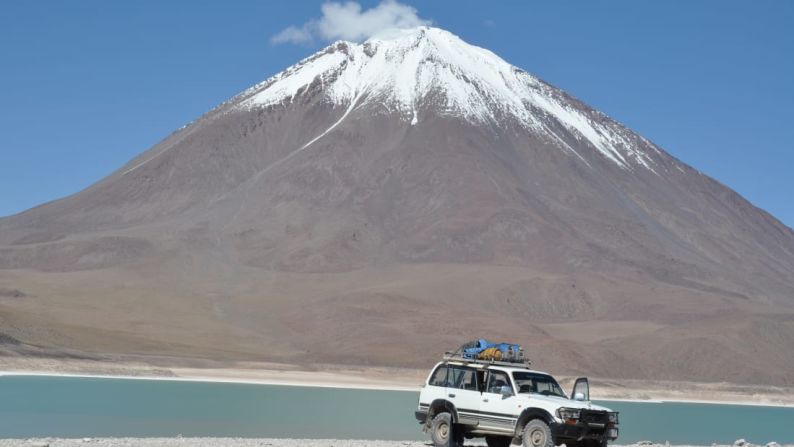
(581,389)
(498,410)
(463,390)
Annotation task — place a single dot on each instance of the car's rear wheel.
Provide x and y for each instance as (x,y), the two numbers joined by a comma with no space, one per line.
(537,434)
(498,441)
(442,431)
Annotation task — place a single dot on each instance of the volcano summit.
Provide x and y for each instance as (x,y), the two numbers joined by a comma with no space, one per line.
(377,203)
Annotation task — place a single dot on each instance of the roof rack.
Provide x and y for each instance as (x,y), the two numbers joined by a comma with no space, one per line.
(455,356)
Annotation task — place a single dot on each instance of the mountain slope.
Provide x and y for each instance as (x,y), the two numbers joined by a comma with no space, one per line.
(378,203)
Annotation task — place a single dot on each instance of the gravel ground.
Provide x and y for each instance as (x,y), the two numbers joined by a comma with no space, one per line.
(207,442)
(247,442)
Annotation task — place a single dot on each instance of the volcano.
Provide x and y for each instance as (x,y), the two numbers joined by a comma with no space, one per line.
(382,202)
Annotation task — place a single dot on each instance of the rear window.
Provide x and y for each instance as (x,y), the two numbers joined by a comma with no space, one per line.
(463,378)
(439,377)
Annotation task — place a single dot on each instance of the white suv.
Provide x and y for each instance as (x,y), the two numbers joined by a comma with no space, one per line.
(509,403)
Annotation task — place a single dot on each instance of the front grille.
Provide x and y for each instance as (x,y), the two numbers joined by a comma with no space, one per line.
(594,417)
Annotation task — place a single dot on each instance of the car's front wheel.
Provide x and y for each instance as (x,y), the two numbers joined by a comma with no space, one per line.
(537,434)
(442,431)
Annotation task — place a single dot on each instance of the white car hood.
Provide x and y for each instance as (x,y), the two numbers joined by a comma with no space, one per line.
(563,402)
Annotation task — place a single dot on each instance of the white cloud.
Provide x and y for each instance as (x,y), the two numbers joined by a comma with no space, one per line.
(292,34)
(347,21)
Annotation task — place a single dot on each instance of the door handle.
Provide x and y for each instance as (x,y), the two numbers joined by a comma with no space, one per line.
(485,400)
(451,395)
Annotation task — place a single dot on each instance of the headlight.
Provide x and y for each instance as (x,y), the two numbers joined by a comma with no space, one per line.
(613,417)
(568,413)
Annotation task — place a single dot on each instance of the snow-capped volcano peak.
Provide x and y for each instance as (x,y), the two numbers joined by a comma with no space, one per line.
(399,68)
(405,71)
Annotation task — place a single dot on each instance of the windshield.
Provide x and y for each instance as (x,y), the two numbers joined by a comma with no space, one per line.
(529,382)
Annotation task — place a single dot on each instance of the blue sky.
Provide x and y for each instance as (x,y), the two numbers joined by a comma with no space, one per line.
(88,85)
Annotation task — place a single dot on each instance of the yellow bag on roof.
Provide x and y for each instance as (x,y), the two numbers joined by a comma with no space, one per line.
(490,354)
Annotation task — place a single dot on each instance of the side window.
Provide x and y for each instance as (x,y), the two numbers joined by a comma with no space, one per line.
(439,377)
(496,380)
(463,378)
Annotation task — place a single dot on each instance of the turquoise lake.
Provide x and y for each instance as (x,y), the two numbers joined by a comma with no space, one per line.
(88,407)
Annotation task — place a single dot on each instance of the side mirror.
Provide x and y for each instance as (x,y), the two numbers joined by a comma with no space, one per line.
(506,391)
(581,389)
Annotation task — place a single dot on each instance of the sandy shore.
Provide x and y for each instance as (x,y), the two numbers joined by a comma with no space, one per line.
(245,442)
(400,379)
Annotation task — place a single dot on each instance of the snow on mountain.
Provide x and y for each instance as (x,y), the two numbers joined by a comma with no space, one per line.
(402,70)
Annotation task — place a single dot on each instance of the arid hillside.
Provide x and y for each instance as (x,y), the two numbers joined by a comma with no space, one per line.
(380,203)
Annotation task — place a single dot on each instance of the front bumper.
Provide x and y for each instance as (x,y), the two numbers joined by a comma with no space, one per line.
(421,416)
(582,430)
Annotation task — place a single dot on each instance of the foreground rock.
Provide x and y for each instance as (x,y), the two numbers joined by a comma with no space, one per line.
(251,442)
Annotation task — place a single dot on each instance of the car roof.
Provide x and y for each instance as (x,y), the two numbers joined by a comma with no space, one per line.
(486,366)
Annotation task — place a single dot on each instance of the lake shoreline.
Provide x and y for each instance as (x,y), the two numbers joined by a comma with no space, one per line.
(353,386)
(386,379)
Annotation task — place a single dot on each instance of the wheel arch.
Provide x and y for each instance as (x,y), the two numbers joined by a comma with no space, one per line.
(441,406)
(530,414)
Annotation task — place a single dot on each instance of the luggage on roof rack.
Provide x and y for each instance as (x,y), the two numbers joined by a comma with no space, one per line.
(455,357)
(485,351)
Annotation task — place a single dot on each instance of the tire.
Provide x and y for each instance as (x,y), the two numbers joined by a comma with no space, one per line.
(537,434)
(498,441)
(442,431)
